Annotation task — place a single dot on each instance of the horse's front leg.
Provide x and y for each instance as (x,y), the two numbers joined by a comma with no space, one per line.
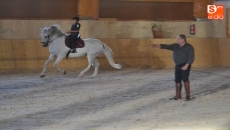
(51,57)
(59,58)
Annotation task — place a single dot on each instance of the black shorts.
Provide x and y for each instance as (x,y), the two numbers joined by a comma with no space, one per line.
(181,74)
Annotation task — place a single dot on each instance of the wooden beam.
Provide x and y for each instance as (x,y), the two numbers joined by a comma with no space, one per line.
(154,0)
(228,22)
(146,10)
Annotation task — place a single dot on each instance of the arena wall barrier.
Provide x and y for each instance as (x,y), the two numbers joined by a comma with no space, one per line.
(29,54)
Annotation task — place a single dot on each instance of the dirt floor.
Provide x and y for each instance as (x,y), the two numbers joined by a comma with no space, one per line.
(127,99)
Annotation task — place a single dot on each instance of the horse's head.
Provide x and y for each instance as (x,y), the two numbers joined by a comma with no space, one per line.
(48,32)
(45,37)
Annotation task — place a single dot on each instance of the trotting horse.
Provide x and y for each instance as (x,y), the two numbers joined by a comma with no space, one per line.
(93,47)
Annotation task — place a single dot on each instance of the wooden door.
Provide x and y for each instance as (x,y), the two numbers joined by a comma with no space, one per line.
(200,8)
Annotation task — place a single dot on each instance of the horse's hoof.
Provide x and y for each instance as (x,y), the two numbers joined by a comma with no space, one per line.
(80,76)
(92,76)
(64,72)
(41,76)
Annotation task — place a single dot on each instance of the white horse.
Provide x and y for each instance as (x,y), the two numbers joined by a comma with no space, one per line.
(93,47)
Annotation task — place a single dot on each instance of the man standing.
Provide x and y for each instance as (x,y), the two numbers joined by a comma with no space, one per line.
(74,33)
(183,56)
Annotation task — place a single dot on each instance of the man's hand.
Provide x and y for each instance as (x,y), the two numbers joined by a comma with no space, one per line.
(185,67)
(68,32)
(155,45)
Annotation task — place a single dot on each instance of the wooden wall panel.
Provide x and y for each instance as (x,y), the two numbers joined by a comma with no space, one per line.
(89,8)
(200,8)
(155,0)
(28,54)
(147,10)
(38,9)
(224,51)
(228,22)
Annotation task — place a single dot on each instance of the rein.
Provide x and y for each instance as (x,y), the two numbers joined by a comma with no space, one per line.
(57,37)
(49,41)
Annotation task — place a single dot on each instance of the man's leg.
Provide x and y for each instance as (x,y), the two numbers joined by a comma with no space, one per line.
(178,91)
(178,85)
(185,76)
(187,90)
(70,41)
(73,44)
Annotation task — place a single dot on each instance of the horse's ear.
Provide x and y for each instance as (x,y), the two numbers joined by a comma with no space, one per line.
(51,30)
(57,26)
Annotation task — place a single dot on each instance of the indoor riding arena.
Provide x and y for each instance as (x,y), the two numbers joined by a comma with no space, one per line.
(135,97)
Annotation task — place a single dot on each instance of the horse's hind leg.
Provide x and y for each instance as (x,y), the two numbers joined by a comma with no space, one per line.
(90,61)
(96,65)
(51,57)
(59,58)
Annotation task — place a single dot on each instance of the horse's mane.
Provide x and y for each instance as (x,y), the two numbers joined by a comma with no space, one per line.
(53,30)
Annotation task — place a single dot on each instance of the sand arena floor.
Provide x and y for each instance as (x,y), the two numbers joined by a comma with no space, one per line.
(127,99)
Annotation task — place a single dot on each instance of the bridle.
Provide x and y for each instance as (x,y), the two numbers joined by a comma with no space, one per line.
(45,44)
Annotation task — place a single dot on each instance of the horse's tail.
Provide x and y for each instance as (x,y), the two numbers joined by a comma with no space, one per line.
(109,55)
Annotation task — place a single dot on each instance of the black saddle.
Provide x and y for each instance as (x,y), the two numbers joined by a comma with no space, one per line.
(79,42)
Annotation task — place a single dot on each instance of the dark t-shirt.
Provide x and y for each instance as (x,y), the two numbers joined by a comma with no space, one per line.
(75,27)
(181,55)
